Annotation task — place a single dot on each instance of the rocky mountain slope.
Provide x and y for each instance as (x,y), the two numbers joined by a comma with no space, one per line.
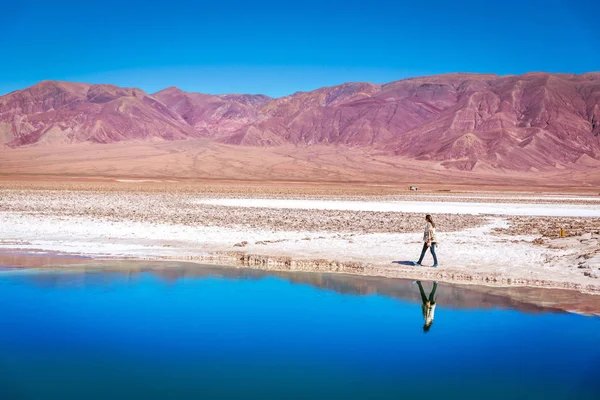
(61,113)
(530,122)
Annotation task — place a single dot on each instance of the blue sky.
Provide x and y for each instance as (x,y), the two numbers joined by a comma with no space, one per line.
(279,47)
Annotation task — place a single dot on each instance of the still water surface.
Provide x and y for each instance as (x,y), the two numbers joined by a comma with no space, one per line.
(193,332)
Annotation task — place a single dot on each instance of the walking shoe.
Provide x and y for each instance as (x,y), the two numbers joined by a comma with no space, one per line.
(417,263)
(434,265)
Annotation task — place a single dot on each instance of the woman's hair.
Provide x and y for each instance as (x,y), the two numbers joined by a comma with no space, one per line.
(430,220)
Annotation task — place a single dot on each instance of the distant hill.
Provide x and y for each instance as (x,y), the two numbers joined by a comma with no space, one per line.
(530,122)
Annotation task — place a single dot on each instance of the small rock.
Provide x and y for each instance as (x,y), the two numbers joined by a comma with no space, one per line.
(590,274)
(240,244)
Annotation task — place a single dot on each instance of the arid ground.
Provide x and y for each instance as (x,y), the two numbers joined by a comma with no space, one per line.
(351,169)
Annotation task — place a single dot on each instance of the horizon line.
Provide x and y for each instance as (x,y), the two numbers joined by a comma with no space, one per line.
(309,91)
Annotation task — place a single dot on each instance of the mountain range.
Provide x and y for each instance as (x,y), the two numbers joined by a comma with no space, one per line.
(531,122)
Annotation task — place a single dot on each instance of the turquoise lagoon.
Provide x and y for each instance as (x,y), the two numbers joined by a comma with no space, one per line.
(179,331)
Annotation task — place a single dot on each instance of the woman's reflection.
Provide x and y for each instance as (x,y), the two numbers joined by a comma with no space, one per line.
(428,306)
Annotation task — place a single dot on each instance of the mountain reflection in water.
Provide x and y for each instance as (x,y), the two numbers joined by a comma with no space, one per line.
(524,299)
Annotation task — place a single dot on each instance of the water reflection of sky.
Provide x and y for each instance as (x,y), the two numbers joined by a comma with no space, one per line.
(251,335)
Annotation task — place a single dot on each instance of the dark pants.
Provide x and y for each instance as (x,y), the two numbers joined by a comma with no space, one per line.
(432,248)
(431,295)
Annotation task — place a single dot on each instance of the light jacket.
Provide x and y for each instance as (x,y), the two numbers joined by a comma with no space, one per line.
(428,313)
(429,234)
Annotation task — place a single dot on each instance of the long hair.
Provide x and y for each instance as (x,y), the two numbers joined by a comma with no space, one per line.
(430,220)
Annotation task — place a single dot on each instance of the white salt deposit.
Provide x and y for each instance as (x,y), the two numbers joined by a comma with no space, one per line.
(477,250)
(432,207)
(473,250)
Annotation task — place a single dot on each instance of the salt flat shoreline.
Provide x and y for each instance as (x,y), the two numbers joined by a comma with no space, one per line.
(527,299)
(495,250)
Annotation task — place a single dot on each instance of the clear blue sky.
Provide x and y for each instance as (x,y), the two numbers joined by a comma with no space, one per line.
(279,47)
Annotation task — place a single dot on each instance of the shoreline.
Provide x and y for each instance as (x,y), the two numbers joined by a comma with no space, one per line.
(274,263)
(277,263)
(344,234)
(397,269)
(531,297)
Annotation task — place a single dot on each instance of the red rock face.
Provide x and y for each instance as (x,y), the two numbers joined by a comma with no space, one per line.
(59,112)
(529,122)
(462,121)
(214,116)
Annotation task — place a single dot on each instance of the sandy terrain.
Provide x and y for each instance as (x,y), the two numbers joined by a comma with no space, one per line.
(190,222)
(193,160)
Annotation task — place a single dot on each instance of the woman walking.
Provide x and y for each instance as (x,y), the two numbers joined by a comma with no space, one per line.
(429,240)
